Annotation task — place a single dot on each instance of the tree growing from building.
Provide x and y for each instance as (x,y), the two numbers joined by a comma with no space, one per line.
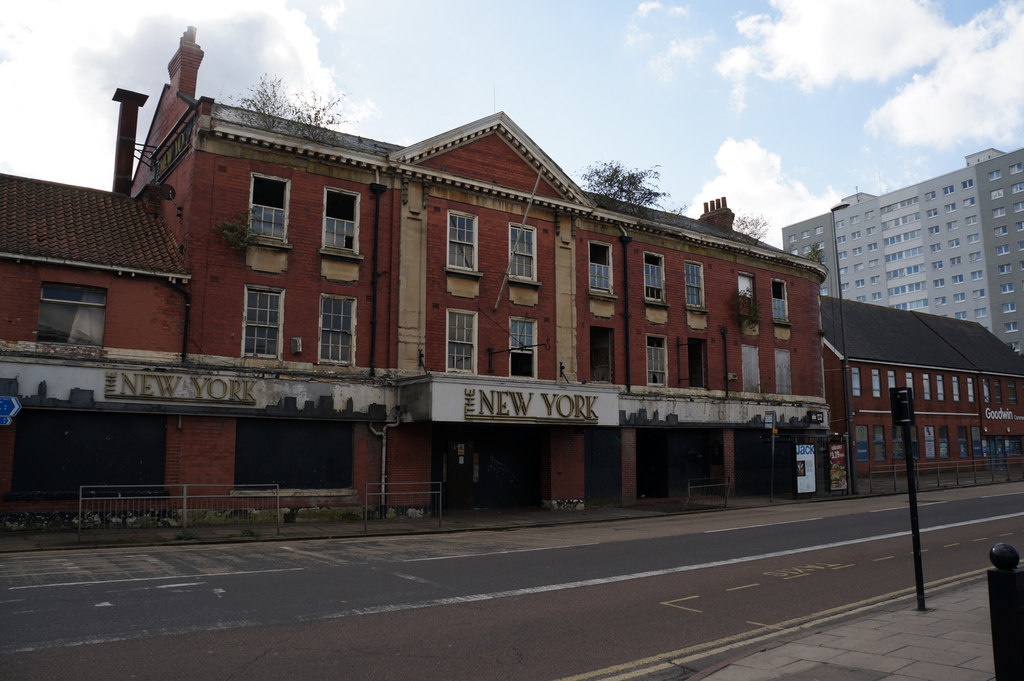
(754,226)
(271,105)
(633,191)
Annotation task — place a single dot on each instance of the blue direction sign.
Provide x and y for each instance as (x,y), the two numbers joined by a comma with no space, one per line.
(6,420)
(9,407)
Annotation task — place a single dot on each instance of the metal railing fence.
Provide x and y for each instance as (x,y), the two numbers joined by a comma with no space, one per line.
(407,501)
(711,492)
(935,474)
(182,505)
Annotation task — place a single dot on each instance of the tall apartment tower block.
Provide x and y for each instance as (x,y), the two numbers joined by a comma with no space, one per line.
(952,245)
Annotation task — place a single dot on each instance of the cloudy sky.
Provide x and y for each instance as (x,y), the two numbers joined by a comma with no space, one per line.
(782,106)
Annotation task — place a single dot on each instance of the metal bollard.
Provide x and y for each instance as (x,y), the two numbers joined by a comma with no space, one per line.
(1006,610)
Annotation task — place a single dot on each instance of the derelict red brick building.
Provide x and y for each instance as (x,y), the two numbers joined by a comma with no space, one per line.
(346,312)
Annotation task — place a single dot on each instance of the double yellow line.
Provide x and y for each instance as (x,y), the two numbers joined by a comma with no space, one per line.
(674,659)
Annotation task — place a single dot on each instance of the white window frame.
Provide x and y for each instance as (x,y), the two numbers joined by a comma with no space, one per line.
(277,324)
(694,273)
(657,361)
(654,277)
(459,338)
(265,214)
(345,351)
(339,229)
(600,273)
(780,306)
(456,224)
(517,348)
(522,252)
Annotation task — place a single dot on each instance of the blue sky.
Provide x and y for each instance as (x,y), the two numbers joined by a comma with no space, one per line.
(782,106)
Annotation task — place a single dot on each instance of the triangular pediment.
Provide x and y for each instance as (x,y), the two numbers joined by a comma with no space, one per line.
(492,151)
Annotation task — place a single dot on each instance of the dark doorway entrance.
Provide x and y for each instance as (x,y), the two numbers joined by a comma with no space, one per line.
(754,464)
(602,466)
(490,466)
(667,459)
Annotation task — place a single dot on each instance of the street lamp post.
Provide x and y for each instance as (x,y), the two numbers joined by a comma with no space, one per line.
(851,472)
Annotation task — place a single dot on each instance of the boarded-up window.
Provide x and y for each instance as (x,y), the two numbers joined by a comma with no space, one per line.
(783,375)
(294,454)
(751,370)
(56,451)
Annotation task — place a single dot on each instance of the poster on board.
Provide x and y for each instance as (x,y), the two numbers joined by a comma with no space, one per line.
(805,478)
(837,466)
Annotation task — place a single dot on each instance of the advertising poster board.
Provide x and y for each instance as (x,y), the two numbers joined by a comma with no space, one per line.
(837,466)
(805,478)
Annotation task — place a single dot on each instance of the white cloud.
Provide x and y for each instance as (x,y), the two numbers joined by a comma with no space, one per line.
(76,63)
(331,12)
(679,52)
(974,93)
(752,180)
(646,8)
(636,36)
(816,44)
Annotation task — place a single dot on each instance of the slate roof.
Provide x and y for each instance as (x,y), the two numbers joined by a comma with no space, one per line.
(234,114)
(881,334)
(354,143)
(81,226)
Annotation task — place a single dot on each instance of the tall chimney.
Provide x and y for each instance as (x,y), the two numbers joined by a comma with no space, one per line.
(124,147)
(184,65)
(718,213)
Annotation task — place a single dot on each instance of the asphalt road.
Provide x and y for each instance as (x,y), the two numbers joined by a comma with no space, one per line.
(589,601)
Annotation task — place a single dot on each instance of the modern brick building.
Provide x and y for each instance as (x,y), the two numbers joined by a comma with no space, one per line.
(338,312)
(968,388)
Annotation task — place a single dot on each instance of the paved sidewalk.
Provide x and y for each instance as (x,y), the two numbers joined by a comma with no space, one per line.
(949,641)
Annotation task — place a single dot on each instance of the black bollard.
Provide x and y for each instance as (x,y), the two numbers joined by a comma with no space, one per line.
(1006,610)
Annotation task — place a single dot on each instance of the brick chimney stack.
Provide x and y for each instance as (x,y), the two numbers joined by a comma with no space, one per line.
(718,213)
(124,147)
(184,65)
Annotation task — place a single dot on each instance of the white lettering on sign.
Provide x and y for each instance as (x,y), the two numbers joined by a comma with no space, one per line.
(521,405)
(1002,415)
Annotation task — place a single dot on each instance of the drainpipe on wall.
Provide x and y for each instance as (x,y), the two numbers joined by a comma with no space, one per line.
(725,356)
(626,240)
(377,190)
(185,322)
(383,435)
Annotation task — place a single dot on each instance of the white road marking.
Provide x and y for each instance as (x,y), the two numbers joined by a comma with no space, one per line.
(904,508)
(152,579)
(496,553)
(750,527)
(548,588)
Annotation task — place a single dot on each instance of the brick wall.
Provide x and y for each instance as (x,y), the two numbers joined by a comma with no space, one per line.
(628,444)
(566,470)
(141,313)
(201,450)
(800,335)
(492,324)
